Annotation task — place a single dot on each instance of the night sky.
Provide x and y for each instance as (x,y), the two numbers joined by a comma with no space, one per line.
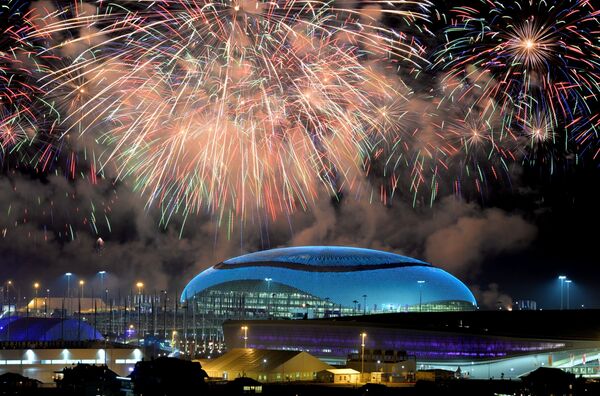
(508,239)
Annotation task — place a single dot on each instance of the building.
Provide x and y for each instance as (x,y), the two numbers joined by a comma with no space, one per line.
(435,375)
(53,306)
(384,365)
(265,365)
(42,360)
(525,305)
(483,344)
(322,282)
(339,376)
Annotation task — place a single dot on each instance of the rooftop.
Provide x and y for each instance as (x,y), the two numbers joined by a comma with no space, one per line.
(325,256)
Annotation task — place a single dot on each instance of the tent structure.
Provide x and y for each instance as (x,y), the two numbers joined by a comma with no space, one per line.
(265,365)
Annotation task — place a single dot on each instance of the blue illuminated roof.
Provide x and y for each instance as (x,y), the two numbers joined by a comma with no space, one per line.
(340,274)
(325,256)
(46,329)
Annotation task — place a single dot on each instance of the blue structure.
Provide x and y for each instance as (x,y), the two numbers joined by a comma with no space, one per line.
(17,328)
(324,281)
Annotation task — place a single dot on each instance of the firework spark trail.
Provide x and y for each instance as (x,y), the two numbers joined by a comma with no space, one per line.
(220,105)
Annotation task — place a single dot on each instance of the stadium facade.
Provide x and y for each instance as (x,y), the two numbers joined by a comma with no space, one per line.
(323,282)
(483,344)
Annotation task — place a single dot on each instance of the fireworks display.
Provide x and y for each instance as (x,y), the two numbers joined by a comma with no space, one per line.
(527,60)
(243,108)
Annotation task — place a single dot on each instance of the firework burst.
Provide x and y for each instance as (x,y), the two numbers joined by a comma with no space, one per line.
(235,106)
(521,51)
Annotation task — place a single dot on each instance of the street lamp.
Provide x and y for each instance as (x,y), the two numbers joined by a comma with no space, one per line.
(364,304)
(421,283)
(568,282)
(139,285)
(562,279)
(68,275)
(268,280)
(165,314)
(102,273)
(36,287)
(81,283)
(245,328)
(47,302)
(8,285)
(362,357)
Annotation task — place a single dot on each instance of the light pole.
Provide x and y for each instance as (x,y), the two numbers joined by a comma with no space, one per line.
(164,292)
(139,285)
(102,273)
(36,287)
(562,279)
(364,304)
(8,285)
(568,282)
(68,275)
(81,283)
(421,283)
(47,302)
(245,328)
(268,280)
(362,355)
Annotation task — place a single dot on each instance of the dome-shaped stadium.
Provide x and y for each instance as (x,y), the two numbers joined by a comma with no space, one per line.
(323,281)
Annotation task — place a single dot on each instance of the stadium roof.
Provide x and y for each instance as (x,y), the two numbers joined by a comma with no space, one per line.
(46,329)
(325,256)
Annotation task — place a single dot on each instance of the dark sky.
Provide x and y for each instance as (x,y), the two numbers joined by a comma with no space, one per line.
(510,241)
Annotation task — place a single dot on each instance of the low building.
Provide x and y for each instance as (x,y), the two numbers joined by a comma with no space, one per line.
(339,376)
(41,360)
(265,365)
(384,365)
(49,306)
(435,375)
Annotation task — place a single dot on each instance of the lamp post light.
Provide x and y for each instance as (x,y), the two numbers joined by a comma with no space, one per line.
(421,283)
(81,283)
(562,279)
(47,302)
(268,280)
(139,285)
(363,335)
(68,275)
(245,329)
(364,296)
(102,274)
(36,287)
(164,292)
(568,282)
(8,285)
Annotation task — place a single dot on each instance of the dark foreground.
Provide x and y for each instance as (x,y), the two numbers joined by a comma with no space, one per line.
(454,387)
(175,377)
